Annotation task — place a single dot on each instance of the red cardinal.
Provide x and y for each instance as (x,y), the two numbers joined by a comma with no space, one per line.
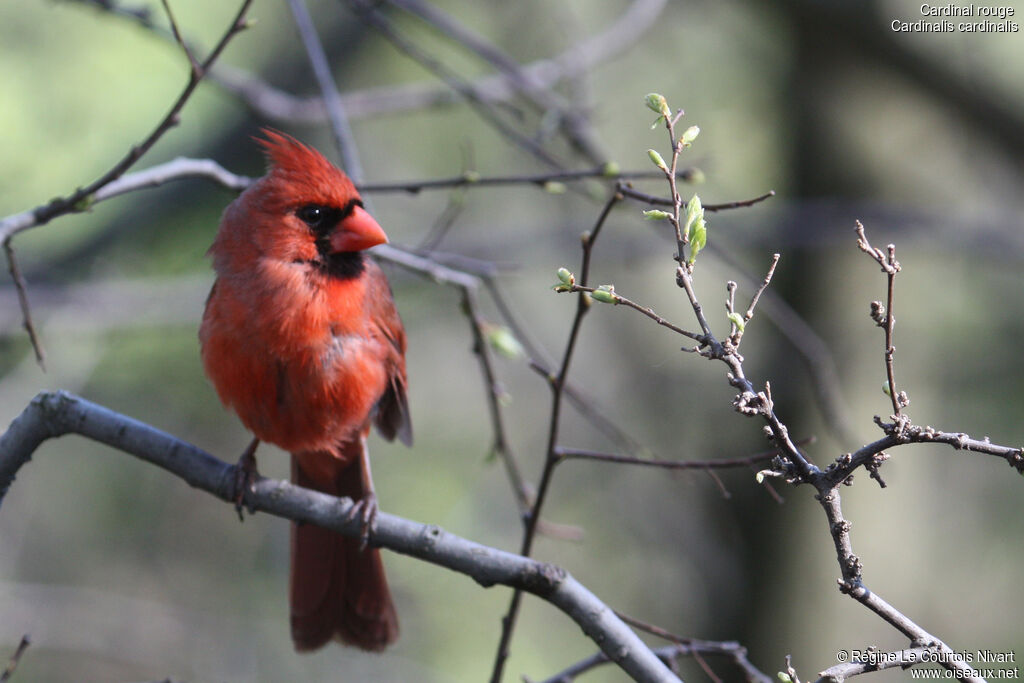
(301,338)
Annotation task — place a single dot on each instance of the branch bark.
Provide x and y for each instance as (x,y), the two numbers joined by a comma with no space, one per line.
(51,415)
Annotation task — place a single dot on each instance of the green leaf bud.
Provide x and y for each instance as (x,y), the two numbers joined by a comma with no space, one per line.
(605,294)
(689,135)
(656,158)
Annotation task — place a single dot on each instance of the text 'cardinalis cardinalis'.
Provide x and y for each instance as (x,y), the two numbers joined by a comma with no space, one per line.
(302,340)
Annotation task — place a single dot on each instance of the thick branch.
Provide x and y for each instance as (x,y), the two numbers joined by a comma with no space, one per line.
(50,415)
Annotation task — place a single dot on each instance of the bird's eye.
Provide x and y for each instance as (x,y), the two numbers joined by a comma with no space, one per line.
(311,214)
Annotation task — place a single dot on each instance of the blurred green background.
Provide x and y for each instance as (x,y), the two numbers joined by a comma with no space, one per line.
(122,573)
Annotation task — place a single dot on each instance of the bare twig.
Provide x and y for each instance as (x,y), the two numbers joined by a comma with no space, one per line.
(904,432)
(739,323)
(667,654)
(810,348)
(540,363)
(885,318)
(21,288)
(469,284)
(82,198)
(52,415)
(551,458)
(617,298)
(539,179)
(500,446)
(696,647)
(197,69)
(12,663)
(369,14)
(545,74)
(655,200)
(720,464)
(760,290)
(571,121)
(340,127)
(185,168)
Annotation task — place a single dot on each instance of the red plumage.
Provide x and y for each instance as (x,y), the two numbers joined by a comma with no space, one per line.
(302,340)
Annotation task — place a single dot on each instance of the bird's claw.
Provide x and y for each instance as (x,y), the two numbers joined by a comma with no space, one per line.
(365,509)
(245,475)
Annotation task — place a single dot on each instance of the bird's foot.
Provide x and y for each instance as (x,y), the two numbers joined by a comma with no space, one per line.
(245,475)
(365,509)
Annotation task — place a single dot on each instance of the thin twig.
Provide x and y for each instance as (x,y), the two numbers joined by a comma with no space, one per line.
(197,70)
(340,127)
(540,363)
(720,464)
(655,200)
(551,458)
(696,647)
(12,663)
(278,105)
(368,13)
(886,320)
(468,284)
(539,179)
(500,446)
(760,290)
(667,654)
(571,121)
(21,287)
(646,310)
(810,348)
(82,198)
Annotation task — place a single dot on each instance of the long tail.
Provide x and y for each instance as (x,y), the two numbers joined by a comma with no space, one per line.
(337,590)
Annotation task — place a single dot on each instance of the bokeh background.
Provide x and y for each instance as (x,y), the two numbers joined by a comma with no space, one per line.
(122,573)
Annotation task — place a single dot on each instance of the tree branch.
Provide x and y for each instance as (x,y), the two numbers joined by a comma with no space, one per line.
(371,16)
(51,415)
(557,384)
(12,663)
(281,106)
(21,288)
(82,198)
(879,661)
(343,136)
(571,120)
(720,464)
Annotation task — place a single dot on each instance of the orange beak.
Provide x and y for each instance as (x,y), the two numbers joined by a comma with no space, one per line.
(357,232)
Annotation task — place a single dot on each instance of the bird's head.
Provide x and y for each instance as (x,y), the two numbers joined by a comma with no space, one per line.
(304,210)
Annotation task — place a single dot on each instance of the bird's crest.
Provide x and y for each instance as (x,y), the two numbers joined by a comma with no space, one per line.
(304,169)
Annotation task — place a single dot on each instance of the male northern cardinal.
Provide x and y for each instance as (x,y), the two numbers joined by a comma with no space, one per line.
(301,338)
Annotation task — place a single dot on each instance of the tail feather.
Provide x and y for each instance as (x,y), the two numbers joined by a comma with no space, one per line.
(337,590)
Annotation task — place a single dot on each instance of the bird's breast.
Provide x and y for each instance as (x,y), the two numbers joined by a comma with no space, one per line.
(298,364)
